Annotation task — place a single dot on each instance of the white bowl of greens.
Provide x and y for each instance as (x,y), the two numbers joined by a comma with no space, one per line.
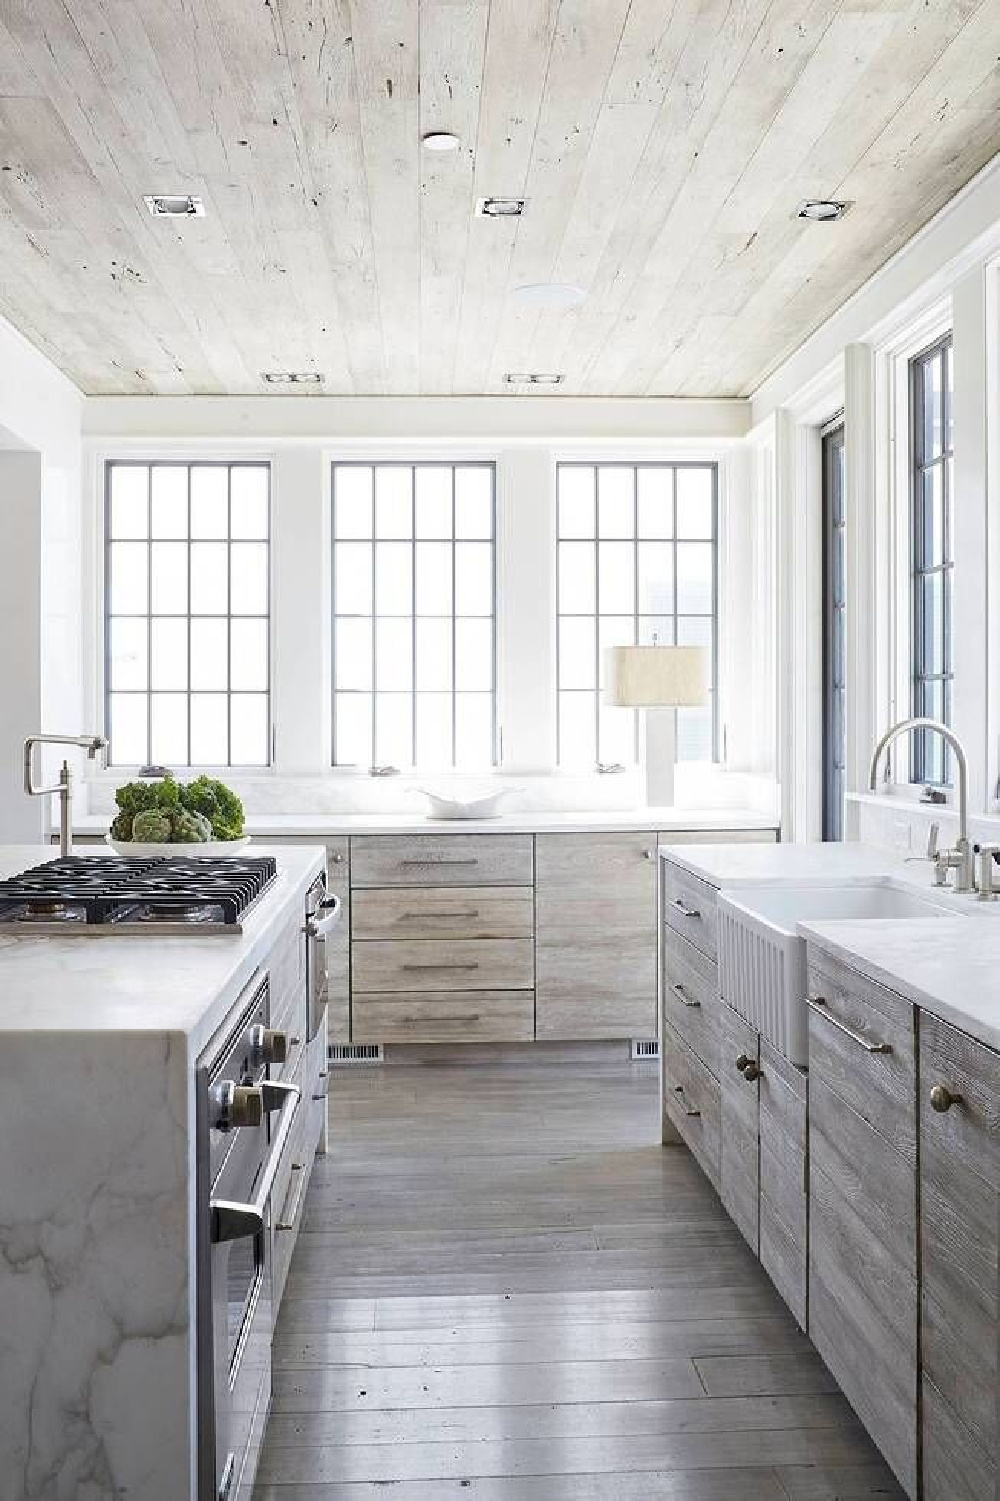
(162,816)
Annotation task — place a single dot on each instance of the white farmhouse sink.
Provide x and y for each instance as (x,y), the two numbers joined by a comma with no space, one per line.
(762,958)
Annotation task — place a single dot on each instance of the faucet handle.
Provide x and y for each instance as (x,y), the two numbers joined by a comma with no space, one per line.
(932,841)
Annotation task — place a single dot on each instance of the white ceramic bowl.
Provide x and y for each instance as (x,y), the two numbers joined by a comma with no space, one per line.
(214,848)
(482,804)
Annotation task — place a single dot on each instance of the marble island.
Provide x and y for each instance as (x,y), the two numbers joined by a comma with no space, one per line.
(97,1206)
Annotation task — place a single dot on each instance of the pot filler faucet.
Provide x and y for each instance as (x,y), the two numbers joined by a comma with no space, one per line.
(93,745)
(961,859)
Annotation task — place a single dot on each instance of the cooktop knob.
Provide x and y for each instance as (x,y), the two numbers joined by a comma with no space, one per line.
(267,1046)
(235,1105)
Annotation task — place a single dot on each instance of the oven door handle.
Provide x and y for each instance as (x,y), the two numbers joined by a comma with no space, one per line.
(232,1220)
(318,927)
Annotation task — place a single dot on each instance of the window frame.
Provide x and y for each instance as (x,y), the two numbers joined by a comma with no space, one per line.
(436,461)
(715,541)
(187,462)
(832,439)
(922,772)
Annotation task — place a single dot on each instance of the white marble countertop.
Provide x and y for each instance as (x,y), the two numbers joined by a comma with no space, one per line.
(134,983)
(548,821)
(944,966)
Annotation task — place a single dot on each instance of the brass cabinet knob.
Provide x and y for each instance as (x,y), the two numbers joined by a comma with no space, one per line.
(742,1062)
(752,1071)
(942,1098)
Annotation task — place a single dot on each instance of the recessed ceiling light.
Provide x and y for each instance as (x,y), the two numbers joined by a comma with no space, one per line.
(550,294)
(440,140)
(822,210)
(499,208)
(174,206)
(293,377)
(532,378)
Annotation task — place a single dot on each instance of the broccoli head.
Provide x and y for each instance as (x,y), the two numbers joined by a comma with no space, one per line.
(216,802)
(151,827)
(189,828)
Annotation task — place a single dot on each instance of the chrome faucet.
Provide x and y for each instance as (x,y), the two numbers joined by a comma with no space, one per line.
(960,859)
(93,745)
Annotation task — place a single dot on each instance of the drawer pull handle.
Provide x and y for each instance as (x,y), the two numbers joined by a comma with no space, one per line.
(942,1098)
(287,1221)
(471,1016)
(446,861)
(684,909)
(683,997)
(688,1109)
(418,916)
(819,1007)
(440,966)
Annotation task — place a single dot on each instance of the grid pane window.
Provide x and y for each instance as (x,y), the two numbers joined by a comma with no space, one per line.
(932,569)
(187,631)
(637,563)
(414,642)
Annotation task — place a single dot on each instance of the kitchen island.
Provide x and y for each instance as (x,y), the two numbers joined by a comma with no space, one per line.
(100,1036)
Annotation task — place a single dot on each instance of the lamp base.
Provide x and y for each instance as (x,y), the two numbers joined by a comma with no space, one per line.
(659,756)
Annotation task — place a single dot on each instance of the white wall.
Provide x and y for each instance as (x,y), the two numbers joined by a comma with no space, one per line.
(948,276)
(40,575)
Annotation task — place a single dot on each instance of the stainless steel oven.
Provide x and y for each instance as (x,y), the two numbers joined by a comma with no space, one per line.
(322,914)
(243,1122)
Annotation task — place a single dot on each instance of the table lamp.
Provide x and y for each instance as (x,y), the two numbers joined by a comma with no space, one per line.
(658,679)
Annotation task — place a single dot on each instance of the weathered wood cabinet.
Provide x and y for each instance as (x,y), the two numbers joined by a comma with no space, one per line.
(863,1297)
(959,1219)
(595,940)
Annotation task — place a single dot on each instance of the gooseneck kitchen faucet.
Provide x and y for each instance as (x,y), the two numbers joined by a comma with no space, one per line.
(960,859)
(93,745)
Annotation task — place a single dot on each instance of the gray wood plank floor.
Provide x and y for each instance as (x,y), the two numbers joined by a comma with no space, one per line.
(505,1287)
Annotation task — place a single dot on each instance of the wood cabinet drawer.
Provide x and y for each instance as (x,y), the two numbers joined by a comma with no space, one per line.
(437,912)
(739,1171)
(690,907)
(862,1044)
(960,1242)
(691,1103)
(442,860)
(473,964)
(445,1016)
(955,1468)
(691,999)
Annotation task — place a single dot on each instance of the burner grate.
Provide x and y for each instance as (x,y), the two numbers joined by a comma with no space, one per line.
(106,890)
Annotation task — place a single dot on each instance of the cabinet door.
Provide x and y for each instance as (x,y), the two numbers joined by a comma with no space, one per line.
(595,915)
(959,1215)
(740,1152)
(863,1204)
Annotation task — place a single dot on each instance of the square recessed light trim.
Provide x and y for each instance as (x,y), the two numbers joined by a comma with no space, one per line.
(499,208)
(293,377)
(532,378)
(174,206)
(823,210)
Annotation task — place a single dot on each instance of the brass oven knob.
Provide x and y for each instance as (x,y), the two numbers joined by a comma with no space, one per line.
(942,1098)
(267,1046)
(235,1105)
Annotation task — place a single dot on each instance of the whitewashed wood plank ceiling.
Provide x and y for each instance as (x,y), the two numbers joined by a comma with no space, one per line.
(662,147)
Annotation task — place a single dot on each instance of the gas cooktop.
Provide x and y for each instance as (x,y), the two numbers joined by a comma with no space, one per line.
(96,894)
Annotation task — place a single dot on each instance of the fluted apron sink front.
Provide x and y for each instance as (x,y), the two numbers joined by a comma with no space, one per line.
(762,958)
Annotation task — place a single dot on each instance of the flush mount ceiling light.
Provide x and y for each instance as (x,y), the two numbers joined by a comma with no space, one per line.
(440,140)
(293,377)
(550,294)
(532,378)
(174,206)
(822,210)
(499,208)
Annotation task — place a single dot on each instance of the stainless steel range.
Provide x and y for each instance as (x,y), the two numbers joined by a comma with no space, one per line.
(243,1122)
(98,894)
